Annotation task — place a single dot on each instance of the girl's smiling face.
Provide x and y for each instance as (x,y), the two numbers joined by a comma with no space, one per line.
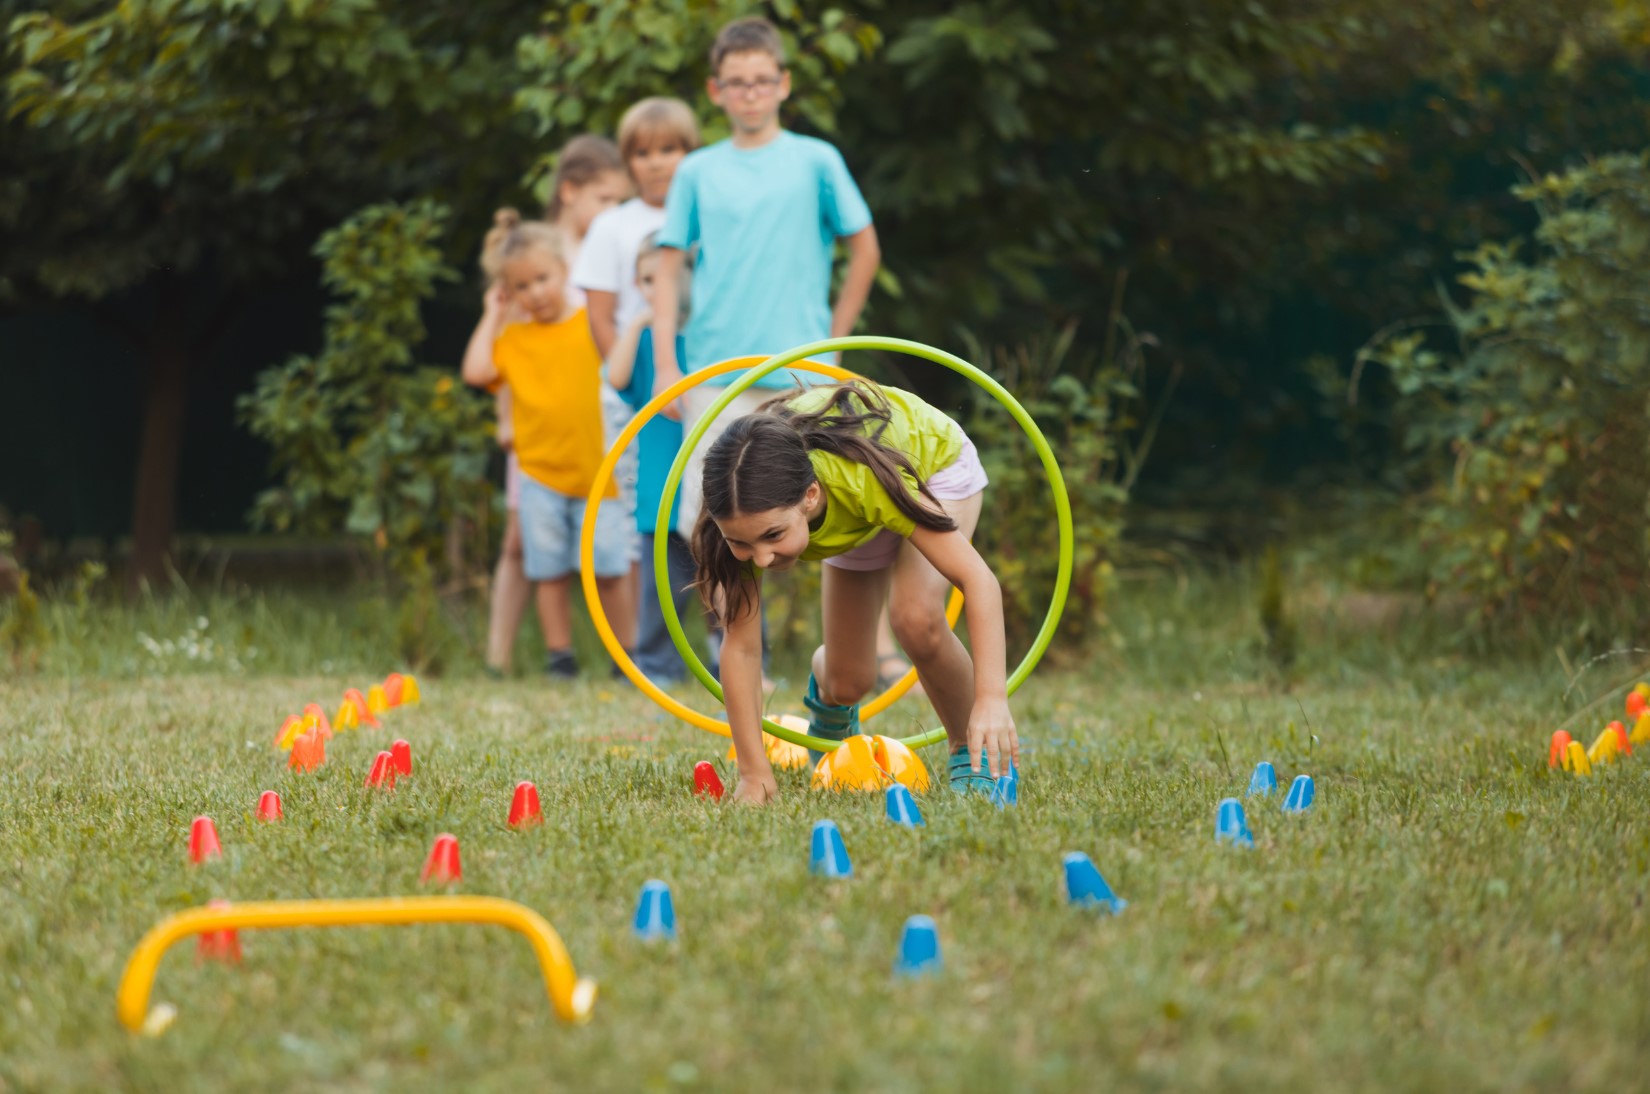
(775,538)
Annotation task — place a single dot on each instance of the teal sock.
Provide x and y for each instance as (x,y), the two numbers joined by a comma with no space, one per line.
(966,780)
(836,723)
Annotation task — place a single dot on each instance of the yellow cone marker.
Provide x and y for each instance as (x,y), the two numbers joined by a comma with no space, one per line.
(1576,760)
(348,717)
(376,703)
(1641,730)
(900,762)
(851,766)
(1604,749)
(409,689)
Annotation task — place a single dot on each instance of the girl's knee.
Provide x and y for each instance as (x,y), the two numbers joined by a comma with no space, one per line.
(920,628)
(849,683)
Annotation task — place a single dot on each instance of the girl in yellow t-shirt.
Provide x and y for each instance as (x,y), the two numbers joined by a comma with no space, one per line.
(886,490)
(550,362)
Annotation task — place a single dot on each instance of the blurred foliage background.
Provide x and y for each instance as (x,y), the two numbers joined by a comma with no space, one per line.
(1364,272)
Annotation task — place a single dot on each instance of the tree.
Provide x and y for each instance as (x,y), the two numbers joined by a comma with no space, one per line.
(166,158)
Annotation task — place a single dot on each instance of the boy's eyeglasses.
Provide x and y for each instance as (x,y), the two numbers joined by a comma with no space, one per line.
(762,85)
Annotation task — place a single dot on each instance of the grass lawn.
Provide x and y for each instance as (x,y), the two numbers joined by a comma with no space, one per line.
(1448,914)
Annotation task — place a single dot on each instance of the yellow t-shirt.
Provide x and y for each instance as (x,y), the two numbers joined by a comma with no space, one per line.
(555,378)
(857,506)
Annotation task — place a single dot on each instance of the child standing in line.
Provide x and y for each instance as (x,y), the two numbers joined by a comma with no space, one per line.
(589,178)
(630,371)
(886,490)
(766,208)
(554,373)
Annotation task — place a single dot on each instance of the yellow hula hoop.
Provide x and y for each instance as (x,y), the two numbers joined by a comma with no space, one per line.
(587,551)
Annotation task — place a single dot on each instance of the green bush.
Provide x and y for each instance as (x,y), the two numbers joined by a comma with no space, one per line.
(1536,430)
(366,440)
(1089,406)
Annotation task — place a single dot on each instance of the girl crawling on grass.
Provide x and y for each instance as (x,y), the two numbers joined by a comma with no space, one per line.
(886,490)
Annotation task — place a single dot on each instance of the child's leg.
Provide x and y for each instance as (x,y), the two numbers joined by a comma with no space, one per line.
(511,590)
(655,653)
(917,612)
(611,555)
(845,667)
(549,542)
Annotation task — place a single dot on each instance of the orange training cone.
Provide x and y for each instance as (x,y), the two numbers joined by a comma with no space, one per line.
(308,752)
(1636,704)
(269,806)
(401,756)
(224,945)
(203,841)
(383,771)
(524,807)
(901,764)
(318,717)
(851,766)
(289,731)
(1556,750)
(442,867)
(363,712)
(392,689)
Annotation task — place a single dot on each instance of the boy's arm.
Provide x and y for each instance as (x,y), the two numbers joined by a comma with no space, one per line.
(864,256)
(479,368)
(601,309)
(742,692)
(621,360)
(667,286)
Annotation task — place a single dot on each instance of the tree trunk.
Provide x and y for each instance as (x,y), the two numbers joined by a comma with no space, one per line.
(154,506)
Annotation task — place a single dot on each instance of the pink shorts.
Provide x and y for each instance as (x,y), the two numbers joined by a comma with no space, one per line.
(962,478)
(512,480)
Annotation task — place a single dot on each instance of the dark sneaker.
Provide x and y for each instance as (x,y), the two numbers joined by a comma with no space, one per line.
(560,665)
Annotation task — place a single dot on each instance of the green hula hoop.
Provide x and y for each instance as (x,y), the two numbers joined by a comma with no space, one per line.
(1051,468)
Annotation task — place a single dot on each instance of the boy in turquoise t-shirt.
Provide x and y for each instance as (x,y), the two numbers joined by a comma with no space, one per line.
(765,208)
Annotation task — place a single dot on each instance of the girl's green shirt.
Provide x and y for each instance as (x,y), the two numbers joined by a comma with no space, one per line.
(856,505)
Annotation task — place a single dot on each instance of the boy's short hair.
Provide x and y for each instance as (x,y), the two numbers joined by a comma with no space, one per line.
(751,35)
(654,118)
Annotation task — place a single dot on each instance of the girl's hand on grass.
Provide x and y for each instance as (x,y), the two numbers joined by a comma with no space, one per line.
(993,742)
(756,789)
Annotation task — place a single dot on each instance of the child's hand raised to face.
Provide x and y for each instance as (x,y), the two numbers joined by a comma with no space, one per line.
(495,301)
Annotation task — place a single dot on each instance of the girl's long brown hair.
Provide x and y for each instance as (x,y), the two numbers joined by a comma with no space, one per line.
(761,462)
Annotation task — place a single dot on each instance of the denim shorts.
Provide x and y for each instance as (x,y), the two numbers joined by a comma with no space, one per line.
(551,524)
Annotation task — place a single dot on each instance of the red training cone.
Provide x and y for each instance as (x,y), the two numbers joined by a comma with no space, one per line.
(269,806)
(224,945)
(289,731)
(442,867)
(313,710)
(1636,704)
(383,771)
(401,756)
(362,711)
(705,780)
(203,841)
(524,807)
(1557,750)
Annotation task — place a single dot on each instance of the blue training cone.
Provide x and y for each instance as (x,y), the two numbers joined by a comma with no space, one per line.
(919,948)
(655,914)
(1231,826)
(829,856)
(1006,791)
(902,807)
(1301,793)
(1264,780)
(1086,888)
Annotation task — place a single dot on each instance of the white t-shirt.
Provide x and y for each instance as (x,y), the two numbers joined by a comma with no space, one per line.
(607,258)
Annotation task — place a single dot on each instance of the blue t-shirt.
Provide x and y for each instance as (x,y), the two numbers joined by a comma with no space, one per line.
(766,220)
(656,444)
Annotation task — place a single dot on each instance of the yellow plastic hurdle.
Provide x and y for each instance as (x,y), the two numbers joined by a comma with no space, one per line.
(571,997)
